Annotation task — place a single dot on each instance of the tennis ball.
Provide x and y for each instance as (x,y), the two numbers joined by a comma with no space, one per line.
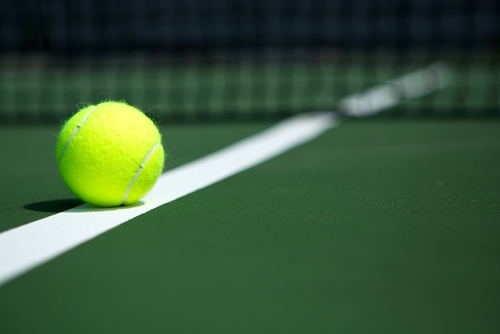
(110,154)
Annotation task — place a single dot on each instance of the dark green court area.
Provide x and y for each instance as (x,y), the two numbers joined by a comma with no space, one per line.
(378,226)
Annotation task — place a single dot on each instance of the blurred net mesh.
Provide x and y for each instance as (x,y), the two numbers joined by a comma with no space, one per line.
(242,60)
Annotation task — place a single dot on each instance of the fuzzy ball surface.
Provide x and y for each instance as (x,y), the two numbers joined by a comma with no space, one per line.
(110,154)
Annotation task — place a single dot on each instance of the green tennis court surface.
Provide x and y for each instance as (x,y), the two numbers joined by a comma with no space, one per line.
(380,226)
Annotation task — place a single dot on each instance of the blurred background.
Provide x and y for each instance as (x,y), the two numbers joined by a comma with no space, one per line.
(223,60)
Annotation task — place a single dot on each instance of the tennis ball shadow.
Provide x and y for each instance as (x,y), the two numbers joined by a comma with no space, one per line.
(58,205)
(66,204)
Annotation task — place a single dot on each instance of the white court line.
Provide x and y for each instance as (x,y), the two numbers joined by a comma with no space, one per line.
(424,81)
(28,246)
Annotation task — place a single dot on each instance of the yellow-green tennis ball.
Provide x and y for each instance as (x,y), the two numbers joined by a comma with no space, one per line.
(110,154)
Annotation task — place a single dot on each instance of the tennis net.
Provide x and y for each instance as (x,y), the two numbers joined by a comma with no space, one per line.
(223,60)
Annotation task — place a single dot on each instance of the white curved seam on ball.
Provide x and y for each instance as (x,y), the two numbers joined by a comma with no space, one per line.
(141,166)
(75,131)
